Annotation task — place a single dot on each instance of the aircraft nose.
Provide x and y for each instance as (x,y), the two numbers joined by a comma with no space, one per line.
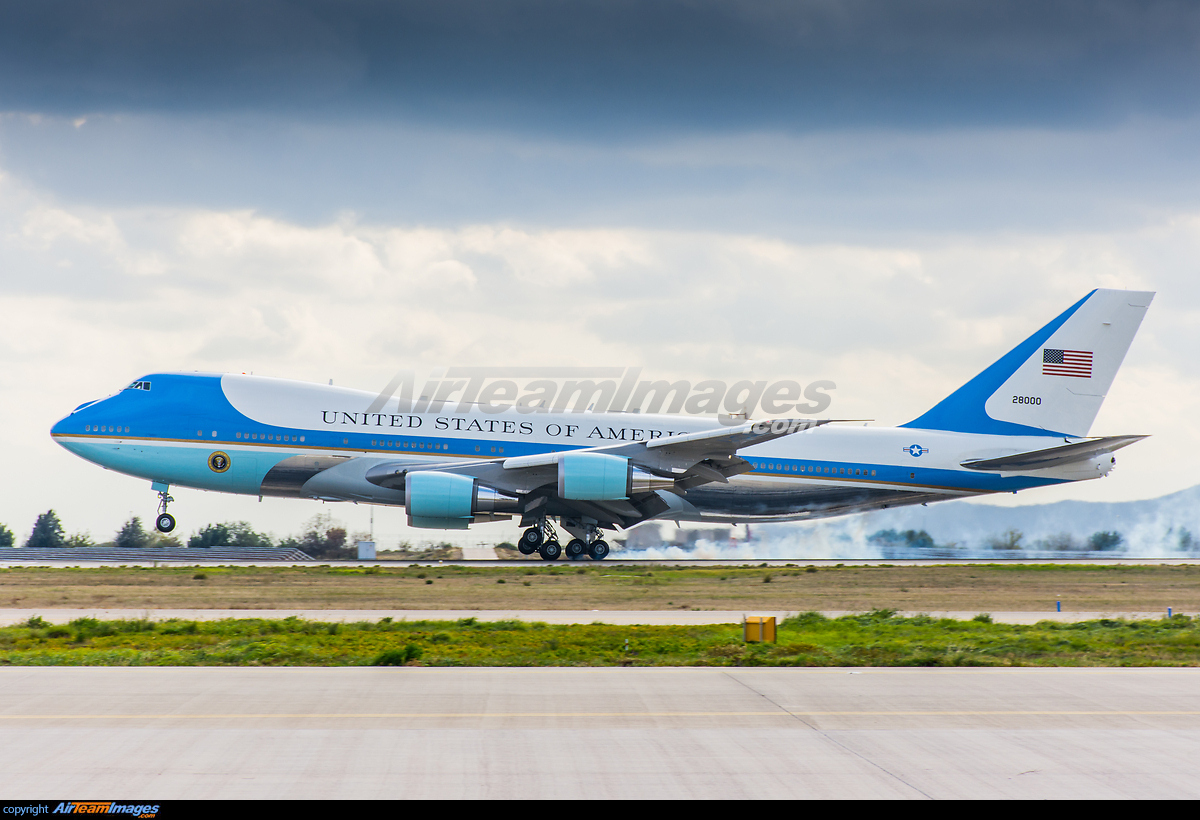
(60,427)
(72,422)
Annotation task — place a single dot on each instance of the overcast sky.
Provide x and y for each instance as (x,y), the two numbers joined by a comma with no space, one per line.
(885,194)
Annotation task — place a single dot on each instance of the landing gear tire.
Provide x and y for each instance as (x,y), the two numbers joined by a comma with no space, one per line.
(550,551)
(530,540)
(576,549)
(598,550)
(165,522)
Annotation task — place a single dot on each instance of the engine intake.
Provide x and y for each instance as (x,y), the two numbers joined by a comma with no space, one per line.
(447,501)
(603,477)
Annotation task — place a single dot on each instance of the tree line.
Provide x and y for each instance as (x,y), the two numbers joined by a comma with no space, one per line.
(322,537)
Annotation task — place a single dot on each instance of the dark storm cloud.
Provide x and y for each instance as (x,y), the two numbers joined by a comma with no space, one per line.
(609,65)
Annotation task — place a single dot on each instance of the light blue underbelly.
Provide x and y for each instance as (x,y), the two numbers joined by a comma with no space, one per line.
(183,466)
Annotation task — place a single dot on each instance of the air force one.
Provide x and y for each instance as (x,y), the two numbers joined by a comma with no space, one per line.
(1023,422)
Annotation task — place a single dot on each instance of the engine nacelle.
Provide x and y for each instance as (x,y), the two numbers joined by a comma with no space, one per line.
(447,501)
(603,477)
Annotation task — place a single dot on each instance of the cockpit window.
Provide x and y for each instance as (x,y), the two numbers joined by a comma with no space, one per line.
(139,386)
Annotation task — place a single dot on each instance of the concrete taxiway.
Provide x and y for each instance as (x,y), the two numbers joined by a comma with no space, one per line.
(732,733)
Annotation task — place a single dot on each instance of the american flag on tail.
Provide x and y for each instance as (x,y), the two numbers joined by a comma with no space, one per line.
(1076,363)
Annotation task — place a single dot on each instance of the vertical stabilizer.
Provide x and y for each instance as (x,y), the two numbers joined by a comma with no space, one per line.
(1054,382)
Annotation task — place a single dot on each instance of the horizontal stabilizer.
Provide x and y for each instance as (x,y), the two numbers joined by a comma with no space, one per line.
(1053,456)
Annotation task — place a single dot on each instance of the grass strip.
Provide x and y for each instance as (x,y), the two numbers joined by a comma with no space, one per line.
(876,638)
(526,585)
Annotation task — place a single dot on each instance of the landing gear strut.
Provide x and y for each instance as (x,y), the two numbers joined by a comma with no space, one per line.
(541,539)
(165,521)
(587,542)
(531,539)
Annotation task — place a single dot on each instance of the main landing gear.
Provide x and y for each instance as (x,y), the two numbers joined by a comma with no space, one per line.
(165,521)
(543,540)
(597,550)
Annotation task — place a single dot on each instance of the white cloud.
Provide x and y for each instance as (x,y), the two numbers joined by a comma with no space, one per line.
(897,327)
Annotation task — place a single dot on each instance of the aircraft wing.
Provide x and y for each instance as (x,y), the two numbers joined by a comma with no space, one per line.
(679,462)
(1053,456)
(708,452)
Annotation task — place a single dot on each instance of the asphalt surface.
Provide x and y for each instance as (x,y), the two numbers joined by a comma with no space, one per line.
(142,559)
(270,733)
(9,617)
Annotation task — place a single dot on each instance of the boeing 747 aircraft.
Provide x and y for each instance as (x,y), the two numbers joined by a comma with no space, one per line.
(1021,423)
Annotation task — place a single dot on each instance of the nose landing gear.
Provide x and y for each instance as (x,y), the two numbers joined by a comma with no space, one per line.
(165,521)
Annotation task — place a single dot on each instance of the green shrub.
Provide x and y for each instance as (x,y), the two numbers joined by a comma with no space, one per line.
(398,657)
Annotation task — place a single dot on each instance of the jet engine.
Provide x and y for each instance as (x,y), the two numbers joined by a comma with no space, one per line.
(447,501)
(602,477)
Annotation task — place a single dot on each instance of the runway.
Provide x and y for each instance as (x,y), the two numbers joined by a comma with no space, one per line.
(346,733)
(146,558)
